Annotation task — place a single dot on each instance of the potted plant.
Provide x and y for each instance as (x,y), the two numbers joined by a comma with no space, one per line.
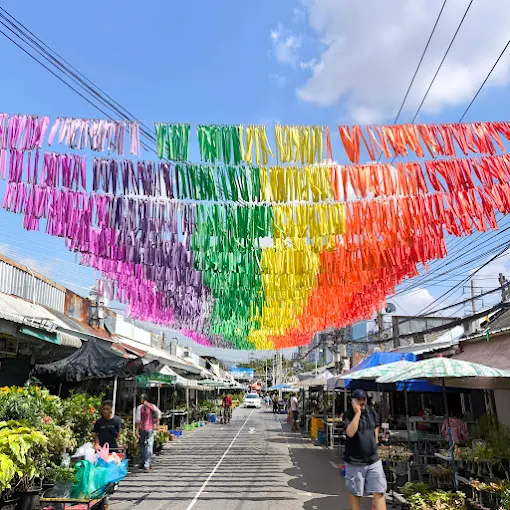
(7,472)
(25,446)
(437,500)
(60,480)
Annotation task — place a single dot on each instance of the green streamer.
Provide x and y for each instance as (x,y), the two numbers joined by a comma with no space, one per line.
(173,141)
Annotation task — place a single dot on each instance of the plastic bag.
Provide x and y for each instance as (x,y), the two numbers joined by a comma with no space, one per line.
(103,452)
(89,478)
(87,451)
(116,472)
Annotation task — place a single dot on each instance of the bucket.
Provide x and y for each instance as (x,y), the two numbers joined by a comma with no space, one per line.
(211,417)
(29,500)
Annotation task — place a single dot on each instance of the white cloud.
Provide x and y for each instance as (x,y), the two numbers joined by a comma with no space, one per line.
(367,53)
(412,303)
(298,15)
(275,35)
(279,80)
(286,46)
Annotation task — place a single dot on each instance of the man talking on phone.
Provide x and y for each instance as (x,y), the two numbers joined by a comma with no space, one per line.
(364,471)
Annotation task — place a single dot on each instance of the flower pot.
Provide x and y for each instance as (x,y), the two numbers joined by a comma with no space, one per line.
(29,500)
(46,487)
(9,504)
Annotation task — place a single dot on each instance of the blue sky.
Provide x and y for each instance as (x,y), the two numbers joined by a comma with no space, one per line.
(297,62)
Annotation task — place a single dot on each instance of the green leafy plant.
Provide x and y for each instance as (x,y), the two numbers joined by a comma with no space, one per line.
(25,447)
(55,474)
(411,488)
(437,500)
(7,472)
(80,411)
(505,499)
(60,441)
(130,441)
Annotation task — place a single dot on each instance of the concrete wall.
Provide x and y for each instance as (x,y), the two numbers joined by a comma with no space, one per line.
(125,327)
(502,398)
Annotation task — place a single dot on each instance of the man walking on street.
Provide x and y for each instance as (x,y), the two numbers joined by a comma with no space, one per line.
(275,403)
(294,407)
(364,470)
(147,419)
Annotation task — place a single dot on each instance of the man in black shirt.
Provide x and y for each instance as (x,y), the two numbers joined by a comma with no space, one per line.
(107,428)
(364,471)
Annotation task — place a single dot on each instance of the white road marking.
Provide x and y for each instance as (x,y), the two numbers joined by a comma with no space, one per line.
(333,465)
(251,431)
(195,499)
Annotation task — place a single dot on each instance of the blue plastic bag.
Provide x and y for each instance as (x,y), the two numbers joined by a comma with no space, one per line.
(115,472)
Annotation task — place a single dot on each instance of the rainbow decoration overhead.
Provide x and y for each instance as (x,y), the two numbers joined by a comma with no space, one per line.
(255,246)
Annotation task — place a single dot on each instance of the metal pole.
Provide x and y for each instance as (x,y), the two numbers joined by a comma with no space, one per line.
(473,305)
(134,405)
(114,404)
(333,423)
(266,376)
(187,404)
(159,396)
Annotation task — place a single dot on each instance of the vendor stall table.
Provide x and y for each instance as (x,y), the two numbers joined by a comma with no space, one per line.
(178,414)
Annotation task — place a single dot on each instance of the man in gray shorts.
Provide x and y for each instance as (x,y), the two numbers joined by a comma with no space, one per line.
(364,471)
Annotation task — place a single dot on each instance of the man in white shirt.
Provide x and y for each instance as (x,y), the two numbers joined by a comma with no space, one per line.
(294,407)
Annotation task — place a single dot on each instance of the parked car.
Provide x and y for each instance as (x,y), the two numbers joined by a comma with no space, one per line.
(252,400)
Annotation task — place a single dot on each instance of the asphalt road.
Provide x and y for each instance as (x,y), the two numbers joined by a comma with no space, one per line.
(255,462)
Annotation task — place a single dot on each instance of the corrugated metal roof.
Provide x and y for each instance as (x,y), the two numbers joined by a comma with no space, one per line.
(18,310)
(500,321)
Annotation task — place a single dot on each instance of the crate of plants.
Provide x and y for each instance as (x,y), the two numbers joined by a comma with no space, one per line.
(492,495)
(420,496)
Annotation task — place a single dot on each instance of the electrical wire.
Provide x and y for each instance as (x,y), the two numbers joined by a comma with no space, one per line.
(420,62)
(485,81)
(442,62)
(97,96)
(94,86)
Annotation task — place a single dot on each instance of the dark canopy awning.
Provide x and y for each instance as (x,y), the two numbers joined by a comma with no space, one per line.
(91,361)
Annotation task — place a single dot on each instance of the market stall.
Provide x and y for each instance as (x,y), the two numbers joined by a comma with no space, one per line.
(478,462)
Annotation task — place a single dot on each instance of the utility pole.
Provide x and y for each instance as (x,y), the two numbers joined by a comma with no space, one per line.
(380,328)
(505,294)
(266,376)
(473,304)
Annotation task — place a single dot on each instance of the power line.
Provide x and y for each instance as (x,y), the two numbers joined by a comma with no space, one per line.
(419,63)
(486,79)
(499,254)
(55,62)
(27,30)
(442,61)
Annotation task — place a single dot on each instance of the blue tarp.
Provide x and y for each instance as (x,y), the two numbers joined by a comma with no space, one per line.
(279,387)
(382,358)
